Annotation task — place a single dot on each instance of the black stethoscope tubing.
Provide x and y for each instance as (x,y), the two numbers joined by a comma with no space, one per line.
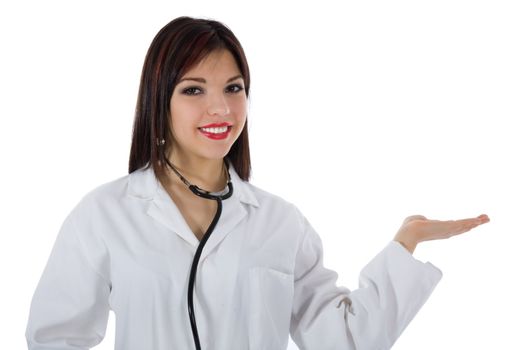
(193,272)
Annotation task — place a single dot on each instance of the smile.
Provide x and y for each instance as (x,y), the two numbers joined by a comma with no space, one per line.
(217,133)
(215,130)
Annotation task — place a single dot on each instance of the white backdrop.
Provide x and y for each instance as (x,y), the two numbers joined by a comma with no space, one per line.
(377,110)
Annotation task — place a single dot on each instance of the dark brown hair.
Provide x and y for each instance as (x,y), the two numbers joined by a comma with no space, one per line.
(176,48)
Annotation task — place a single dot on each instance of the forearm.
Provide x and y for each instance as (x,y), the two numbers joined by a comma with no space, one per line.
(392,289)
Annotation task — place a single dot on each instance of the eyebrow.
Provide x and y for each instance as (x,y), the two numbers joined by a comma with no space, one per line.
(202,80)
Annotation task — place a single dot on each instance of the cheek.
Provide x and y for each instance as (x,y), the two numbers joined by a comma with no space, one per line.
(240,108)
(184,116)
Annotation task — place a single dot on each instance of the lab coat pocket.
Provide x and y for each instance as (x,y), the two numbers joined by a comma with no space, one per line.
(270,303)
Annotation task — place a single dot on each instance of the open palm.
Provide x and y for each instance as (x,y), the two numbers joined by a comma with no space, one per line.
(417,228)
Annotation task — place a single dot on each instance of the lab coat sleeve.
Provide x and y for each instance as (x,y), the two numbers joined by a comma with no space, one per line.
(70,307)
(392,288)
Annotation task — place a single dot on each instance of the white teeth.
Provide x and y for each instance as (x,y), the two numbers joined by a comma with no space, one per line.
(215,130)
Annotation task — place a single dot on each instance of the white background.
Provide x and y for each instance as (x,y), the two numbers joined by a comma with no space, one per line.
(376,110)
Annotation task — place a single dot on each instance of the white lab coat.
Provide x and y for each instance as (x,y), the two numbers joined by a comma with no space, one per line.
(126,247)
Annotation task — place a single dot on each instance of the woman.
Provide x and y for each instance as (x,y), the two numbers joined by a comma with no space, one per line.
(143,245)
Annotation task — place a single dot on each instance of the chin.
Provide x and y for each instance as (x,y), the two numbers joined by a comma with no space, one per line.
(219,156)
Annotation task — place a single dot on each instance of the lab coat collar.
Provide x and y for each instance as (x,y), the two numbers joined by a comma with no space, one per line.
(143,184)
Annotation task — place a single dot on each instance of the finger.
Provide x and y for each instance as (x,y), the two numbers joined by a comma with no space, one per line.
(479,219)
(468,222)
(464,225)
(483,218)
(455,227)
(457,231)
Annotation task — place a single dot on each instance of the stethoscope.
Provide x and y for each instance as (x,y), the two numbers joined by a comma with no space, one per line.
(208,195)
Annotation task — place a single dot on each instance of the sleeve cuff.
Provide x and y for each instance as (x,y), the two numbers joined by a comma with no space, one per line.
(429,270)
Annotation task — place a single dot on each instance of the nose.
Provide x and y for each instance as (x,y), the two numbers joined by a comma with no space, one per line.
(218,105)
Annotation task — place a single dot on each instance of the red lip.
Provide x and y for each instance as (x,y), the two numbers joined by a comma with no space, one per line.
(213,136)
(215,125)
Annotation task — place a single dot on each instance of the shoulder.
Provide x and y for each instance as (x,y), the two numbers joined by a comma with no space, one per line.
(275,205)
(266,197)
(109,190)
(103,196)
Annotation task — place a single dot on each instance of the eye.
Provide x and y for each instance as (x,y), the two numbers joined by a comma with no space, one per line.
(192,90)
(234,88)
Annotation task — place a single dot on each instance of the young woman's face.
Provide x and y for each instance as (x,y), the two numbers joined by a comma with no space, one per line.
(208,108)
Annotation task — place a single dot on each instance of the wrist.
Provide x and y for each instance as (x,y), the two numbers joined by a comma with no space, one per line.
(407,241)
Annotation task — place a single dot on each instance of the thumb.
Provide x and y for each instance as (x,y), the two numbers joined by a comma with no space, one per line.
(414,217)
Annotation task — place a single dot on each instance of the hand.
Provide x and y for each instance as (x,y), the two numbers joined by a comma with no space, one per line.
(417,228)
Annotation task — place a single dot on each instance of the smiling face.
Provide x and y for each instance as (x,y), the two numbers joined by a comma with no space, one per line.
(208,109)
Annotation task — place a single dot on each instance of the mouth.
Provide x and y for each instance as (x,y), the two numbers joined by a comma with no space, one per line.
(216,129)
(216,132)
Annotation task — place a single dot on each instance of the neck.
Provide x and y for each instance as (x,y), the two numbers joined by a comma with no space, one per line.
(207,174)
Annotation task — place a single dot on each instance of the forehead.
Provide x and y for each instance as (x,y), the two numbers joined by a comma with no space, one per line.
(218,62)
